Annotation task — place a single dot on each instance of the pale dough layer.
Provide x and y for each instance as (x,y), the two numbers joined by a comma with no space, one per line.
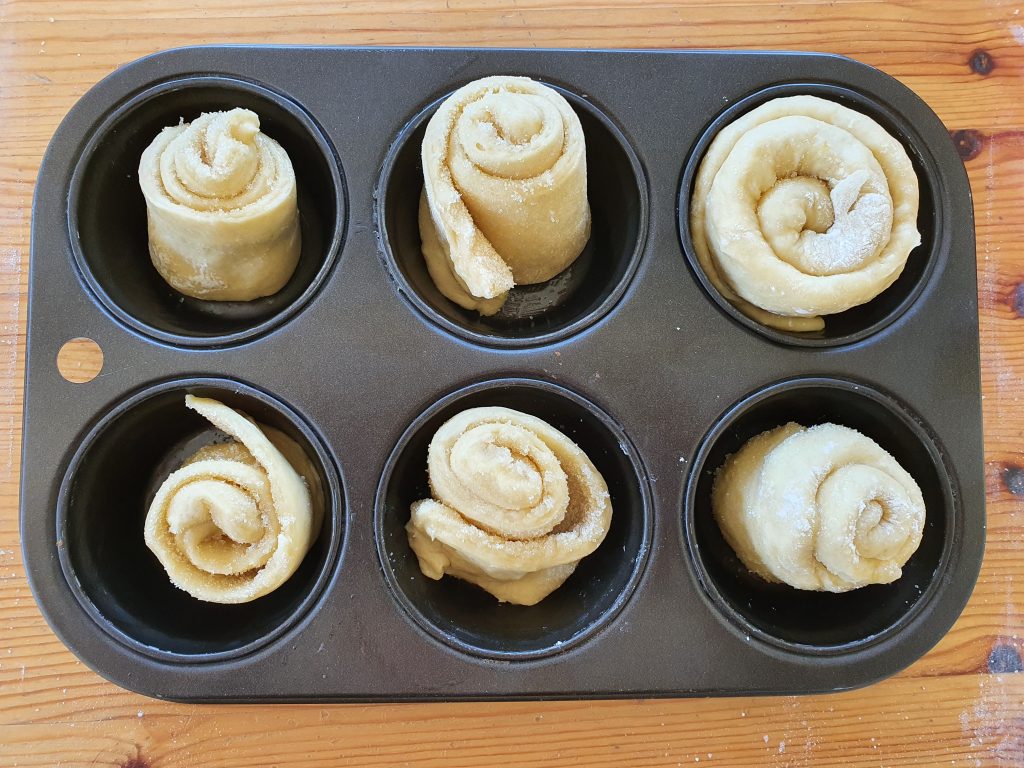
(236,520)
(516,505)
(222,208)
(820,508)
(802,208)
(505,188)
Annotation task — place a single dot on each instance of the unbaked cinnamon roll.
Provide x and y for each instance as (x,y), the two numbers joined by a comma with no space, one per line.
(505,190)
(222,208)
(236,520)
(516,505)
(803,208)
(821,508)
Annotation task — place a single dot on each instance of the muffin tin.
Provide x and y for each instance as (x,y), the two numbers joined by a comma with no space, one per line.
(631,352)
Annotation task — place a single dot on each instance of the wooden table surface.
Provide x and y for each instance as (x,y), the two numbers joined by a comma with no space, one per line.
(962,704)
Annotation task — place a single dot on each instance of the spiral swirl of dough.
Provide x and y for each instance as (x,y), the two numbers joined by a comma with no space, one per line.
(235,521)
(222,208)
(505,190)
(516,505)
(802,208)
(821,508)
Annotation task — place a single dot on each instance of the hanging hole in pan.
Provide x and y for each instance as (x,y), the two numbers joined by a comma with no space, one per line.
(80,360)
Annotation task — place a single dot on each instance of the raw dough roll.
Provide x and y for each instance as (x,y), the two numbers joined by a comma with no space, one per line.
(516,505)
(820,508)
(505,190)
(236,520)
(222,208)
(803,208)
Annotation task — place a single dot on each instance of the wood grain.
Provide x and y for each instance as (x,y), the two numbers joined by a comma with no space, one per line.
(963,704)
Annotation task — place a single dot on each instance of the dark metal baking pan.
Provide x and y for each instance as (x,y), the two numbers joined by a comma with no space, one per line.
(633,354)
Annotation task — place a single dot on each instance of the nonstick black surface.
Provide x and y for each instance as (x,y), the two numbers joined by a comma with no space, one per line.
(632,353)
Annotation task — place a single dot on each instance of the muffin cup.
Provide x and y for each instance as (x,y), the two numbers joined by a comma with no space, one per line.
(102,505)
(532,315)
(465,617)
(862,321)
(822,623)
(107,213)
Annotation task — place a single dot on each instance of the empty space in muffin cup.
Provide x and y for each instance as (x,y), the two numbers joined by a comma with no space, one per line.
(467,618)
(808,622)
(107,212)
(866,319)
(533,314)
(102,507)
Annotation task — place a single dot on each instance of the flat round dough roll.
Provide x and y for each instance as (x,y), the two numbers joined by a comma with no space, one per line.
(516,505)
(236,520)
(802,208)
(821,508)
(505,190)
(222,208)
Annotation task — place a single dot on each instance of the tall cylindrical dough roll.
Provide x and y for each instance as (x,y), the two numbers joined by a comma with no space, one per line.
(823,508)
(516,505)
(222,208)
(236,520)
(803,208)
(505,189)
